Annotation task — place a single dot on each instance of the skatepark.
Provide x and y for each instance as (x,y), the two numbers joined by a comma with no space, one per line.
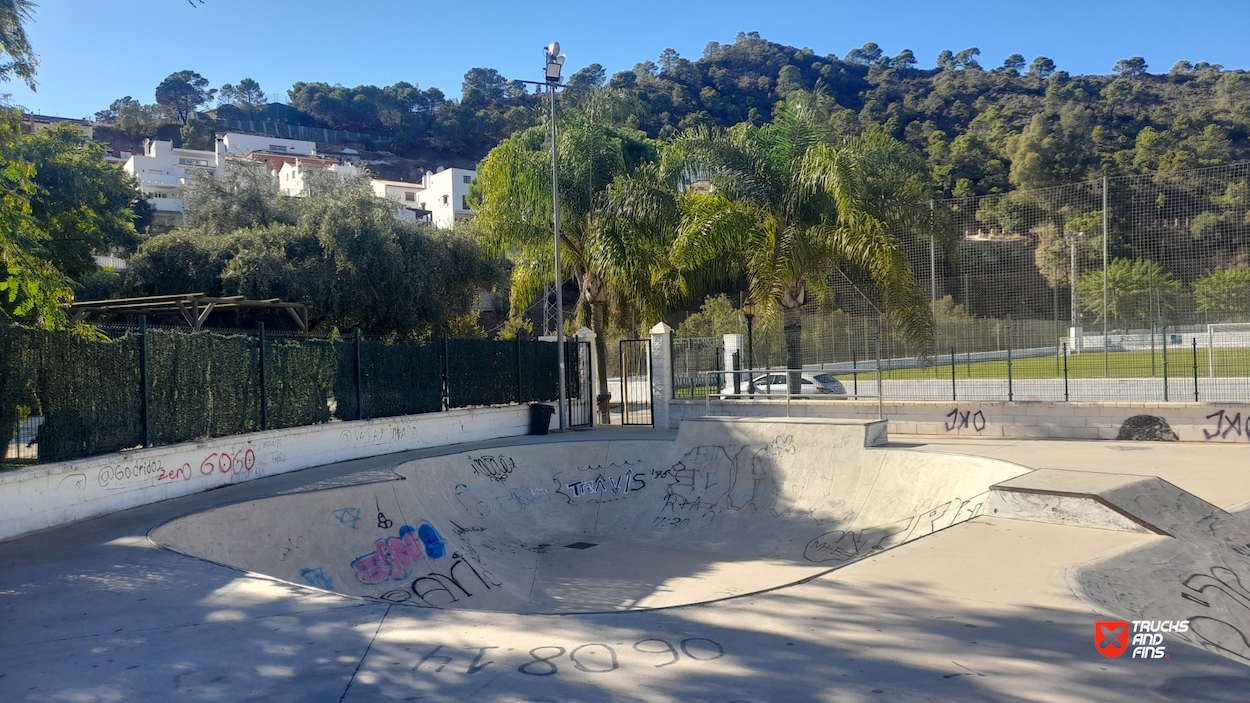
(735,559)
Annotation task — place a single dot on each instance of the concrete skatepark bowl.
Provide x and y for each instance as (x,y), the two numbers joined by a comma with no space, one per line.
(732,507)
(734,561)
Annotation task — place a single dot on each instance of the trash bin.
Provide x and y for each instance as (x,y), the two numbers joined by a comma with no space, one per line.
(540,418)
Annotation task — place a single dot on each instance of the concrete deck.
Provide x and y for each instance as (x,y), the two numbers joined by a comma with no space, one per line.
(982,611)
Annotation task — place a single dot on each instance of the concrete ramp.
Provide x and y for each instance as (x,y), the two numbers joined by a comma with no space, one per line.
(1196,568)
(733,506)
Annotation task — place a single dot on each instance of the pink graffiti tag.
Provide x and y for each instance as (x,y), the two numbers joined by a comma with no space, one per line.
(392,558)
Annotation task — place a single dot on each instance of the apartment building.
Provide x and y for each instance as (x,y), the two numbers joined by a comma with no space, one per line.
(445,196)
(162,168)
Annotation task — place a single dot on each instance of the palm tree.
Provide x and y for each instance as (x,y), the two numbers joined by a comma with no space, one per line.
(791,204)
(19,60)
(513,191)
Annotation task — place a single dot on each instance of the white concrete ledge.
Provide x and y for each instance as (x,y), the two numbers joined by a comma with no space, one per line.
(48,495)
(1192,422)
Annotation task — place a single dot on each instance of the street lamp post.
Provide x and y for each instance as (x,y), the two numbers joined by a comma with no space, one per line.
(555,61)
(748,310)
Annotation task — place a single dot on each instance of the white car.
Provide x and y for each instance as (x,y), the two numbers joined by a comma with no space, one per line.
(815,383)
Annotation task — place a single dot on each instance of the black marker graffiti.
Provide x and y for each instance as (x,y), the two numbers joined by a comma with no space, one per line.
(426,586)
(960,420)
(1214,634)
(1224,425)
(590,658)
(845,545)
(382,521)
(496,468)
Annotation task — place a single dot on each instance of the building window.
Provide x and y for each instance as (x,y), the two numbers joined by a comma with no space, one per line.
(464,202)
(444,201)
(468,179)
(409,196)
(277,147)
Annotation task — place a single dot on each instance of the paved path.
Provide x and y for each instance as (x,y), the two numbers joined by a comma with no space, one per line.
(977,612)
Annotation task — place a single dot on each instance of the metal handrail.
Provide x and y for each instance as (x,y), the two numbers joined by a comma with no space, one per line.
(751,373)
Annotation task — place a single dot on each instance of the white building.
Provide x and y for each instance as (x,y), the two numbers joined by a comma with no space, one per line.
(445,196)
(162,168)
(407,195)
(295,178)
(239,144)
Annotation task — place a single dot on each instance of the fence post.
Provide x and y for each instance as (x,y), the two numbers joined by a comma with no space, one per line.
(360,405)
(264,378)
(1010,391)
(519,396)
(1165,362)
(1195,369)
(1065,372)
(447,374)
(144,436)
(880,401)
(854,374)
(952,373)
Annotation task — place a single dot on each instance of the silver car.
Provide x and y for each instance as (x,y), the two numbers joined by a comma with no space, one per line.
(815,383)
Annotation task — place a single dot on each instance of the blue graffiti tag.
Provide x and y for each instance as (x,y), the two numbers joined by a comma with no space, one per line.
(317,577)
(433,542)
(348,516)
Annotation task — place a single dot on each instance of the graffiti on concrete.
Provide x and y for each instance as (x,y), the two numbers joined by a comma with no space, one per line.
(1225,598)
(347,516)
(1225,425)
(600,484)
(317,577)
(589,658)
(847,545)
(495,468)
(1146,428)
(965,419)
(713,478)
(393,558)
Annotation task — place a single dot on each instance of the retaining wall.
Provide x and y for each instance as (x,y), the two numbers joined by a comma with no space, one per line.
(1192,422)
(47,495)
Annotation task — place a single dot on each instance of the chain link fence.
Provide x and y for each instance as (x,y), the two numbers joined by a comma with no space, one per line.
(64,396)
(1124,288)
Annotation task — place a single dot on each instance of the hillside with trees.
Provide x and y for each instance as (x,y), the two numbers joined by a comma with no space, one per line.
(985,127)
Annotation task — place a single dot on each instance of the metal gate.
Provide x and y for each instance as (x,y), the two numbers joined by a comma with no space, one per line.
(636,382)
(578,383)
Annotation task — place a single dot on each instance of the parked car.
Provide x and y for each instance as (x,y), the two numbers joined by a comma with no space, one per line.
(815,383)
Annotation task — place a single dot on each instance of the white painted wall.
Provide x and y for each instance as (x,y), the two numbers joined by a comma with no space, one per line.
(161,168)
(444,196)
(238,144)
(56,494)
(293,178)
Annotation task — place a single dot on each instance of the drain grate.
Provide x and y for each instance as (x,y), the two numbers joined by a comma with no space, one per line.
(580,545)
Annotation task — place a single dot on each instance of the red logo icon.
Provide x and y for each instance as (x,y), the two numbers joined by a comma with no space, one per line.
(1111,637)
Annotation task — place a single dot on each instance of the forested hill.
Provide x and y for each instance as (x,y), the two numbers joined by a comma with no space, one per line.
(985,128)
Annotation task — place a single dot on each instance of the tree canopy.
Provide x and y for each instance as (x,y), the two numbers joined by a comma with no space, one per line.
(183,92)
(59,203)
(343,252)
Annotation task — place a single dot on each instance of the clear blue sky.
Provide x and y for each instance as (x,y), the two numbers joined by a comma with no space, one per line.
(95,51)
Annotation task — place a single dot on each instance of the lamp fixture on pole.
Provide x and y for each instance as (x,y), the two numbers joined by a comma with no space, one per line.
(748,310)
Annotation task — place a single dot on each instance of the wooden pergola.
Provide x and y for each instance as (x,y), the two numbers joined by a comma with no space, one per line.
(194,308)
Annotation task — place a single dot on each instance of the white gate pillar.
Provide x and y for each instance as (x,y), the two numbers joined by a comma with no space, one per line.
(661,373)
